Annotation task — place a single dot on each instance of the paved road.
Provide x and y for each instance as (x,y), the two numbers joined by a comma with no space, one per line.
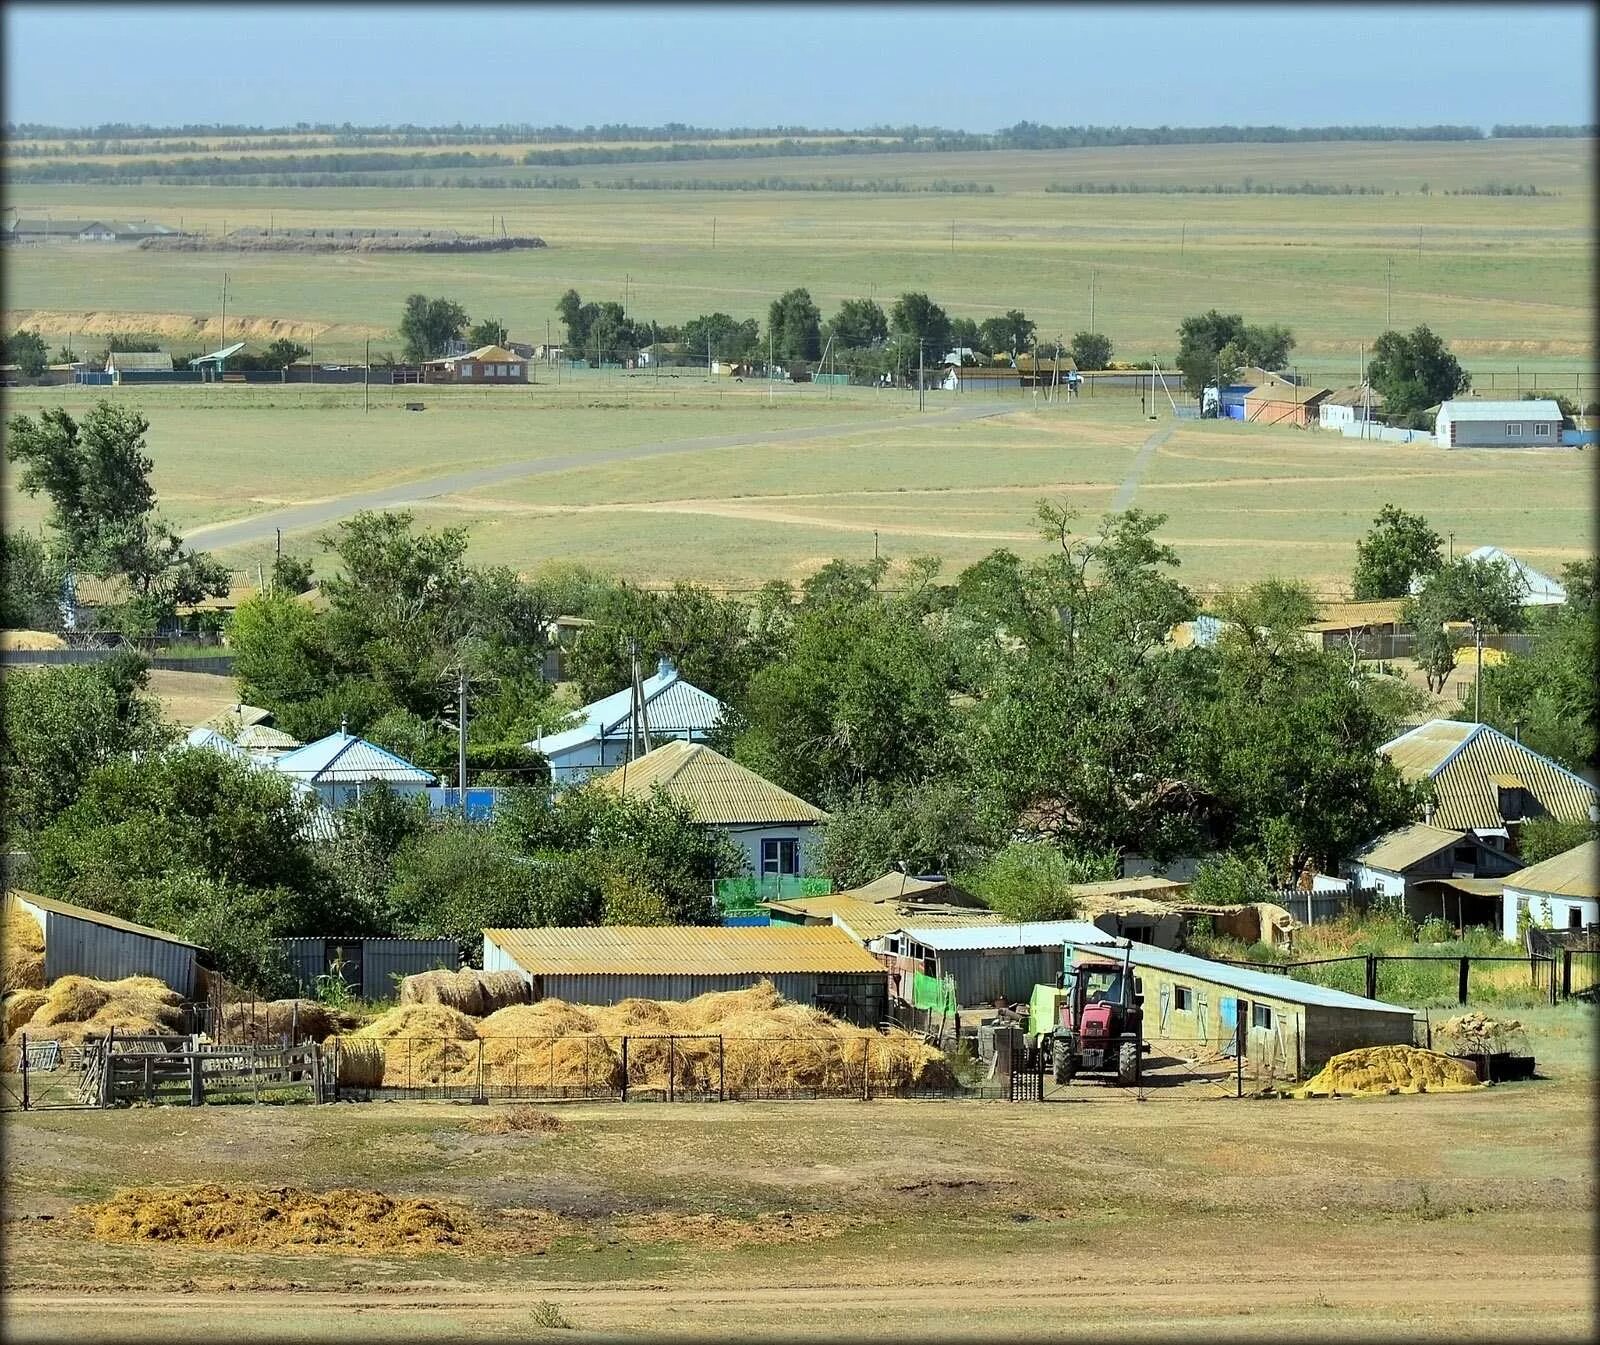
(317,514)
(1141,462)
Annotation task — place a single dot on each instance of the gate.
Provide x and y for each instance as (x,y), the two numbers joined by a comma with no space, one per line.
(1026,1081)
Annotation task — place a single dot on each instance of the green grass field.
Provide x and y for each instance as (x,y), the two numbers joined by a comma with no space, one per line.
(1505,279)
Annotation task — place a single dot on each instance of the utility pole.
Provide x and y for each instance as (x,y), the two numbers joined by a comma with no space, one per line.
(366,377)
(1183,233)
(461,740)
(222,335)
(1092,275)
(713,233)
(921,381)
(952,235)
(277,547)
(1389,324)
(1477,681)
(769,362)
(1452,548)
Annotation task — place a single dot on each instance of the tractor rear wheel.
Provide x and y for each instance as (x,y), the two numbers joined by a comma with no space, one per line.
(1128,1064)
(1064,1062)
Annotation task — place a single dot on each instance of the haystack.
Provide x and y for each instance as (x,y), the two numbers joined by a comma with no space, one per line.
(30,640)
(24,950)
(76,1007)
(424,1045)
(471,992)
(259,1023)
(20,1006)
(1389,1069)
(551,1042)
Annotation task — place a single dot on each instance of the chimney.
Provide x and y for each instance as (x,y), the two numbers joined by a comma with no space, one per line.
(1427,812)
(664,668)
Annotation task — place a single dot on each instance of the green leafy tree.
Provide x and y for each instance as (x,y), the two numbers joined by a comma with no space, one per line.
(1231,879)
(284,352)
(1267,346)
(933,827)
(66,355)
(1201,341)
(576,320)
(30,584)
(1542,838)
(795,326)
(1413,372)
(489,332)
(27,350)
(724,337)
(292,574)
(455,879)
(61,724)
(966,335)
(916,321)
(1033,880)
(240,926)
(859,324)
(1091,350)
(427,326)
(280,657)
(1400,547)
(358,861)
(1007,334)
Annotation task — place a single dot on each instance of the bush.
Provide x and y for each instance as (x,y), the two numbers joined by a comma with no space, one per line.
(1033,880)
(1230,880)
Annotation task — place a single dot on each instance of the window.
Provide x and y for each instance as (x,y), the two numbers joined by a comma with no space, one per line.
(1574,917)
(1466,854)
(1541,431)
(780,857)
(1513,431)
(1511,803)
(1182,998)
(514,370)
(466,368)
(1261,1016)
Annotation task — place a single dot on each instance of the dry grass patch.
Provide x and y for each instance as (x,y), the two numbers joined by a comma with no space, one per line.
(518,1121)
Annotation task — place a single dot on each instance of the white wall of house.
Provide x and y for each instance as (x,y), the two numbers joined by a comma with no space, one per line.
(807,837)
(1546,911)
(345,794)
(1390,884)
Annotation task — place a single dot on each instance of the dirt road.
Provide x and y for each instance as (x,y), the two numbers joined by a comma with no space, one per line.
(319,513)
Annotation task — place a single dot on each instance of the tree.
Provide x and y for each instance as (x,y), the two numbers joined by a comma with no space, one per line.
(1007,334)
(427,326)
(454,879)
(1201,341)
(919,322)
(1033,880)
(859,324)
(721,337)
(795,327)
(284,352)
(1267,346)
(27,350)
(1542,838)
(30,584)
(1091,350)
(66,355)
(279,655)
(1413,372)
(240,926)
(489,332)
(1399,548)
(61,724)
(358,860)
(965,335)
(571,311)
(292,574)
(927,828)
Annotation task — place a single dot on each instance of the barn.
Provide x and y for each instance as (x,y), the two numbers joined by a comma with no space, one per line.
(81,942)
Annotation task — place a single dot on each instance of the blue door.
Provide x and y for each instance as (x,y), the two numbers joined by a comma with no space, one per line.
(1230,1010)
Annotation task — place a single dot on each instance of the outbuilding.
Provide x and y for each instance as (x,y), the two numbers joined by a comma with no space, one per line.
(946,968)
(819,966)
(485,365)
(1282,403)
(1535,423)
(81,942)
(1562,892)
(1409,863)
(1193,1005)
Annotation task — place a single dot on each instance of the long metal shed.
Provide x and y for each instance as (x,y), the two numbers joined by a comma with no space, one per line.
(372,967)
(81,942)
(984,962)
(1291,1026)
(816,965)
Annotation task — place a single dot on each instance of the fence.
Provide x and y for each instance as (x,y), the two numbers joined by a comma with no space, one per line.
(1311,908)
(1550,976)
(219,664)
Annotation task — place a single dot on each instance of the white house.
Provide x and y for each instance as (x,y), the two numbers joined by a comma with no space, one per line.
(1470,424)
(673,708)
(1348,406)
(1563,892)
(1538,590)
(779,833)
(340,764)
(1415,865)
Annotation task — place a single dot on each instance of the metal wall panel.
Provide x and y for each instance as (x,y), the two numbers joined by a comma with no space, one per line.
(74,947)
(980,977)
(384,960)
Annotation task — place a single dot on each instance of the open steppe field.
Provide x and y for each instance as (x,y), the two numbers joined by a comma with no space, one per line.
(720,483)
(1103,1217)
(1507,280)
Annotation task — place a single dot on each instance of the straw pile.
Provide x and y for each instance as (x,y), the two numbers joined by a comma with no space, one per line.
(20,1006)
(30,640)
(276,1217)
(260,1023)
(471,992)
(423,1045)
(75,1007)
(24,950)
(1390,1069)
(1477,1033)
(551,1042)
(517,1121)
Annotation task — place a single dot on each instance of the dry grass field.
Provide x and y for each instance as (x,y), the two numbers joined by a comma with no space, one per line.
(1186,1215)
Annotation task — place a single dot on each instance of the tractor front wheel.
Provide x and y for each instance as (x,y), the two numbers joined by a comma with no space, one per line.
(1063,1061)
(1128,1064)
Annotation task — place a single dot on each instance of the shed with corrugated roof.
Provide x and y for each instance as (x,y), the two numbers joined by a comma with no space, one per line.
(1562,892)
(81,942)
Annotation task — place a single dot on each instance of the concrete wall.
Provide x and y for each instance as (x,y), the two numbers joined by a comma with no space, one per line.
(1329,1031)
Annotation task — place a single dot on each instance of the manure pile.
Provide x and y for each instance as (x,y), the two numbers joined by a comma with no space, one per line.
(276,1217)
(1389,1069)
(768,1045)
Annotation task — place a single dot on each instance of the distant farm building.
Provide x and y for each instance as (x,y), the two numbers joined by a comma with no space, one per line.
(1435,871)
(1563,892)
(1282,403)
(980,378)
(1471,424)
(1537,589)
(485,365)
(1348,406)
(120,362)
(340,765)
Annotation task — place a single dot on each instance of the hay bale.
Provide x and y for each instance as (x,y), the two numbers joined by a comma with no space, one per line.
(1389,1069)
(20,1006)
(703,1012)
(361,1063)
(551,1043)
(262,1023)
(24,950)
(475,993)
(72,999)
(424,1045)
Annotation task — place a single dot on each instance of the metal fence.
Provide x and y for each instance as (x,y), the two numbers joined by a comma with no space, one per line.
(1552,977)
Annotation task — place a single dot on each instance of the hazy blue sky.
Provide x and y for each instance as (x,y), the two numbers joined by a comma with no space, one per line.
(968,67)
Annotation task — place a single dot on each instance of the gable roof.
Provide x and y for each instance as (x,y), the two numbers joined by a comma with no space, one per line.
(1285,393)
(1463,761)
(672,707)
(864,920)
(1029,934)
(342,758)
(140,361)
(1537,408)
(1537,588)
(1348,615)
(1572,873)
(1399,850)
(1354,396)
(264,737)
(720,792)
(682,950)
(66,908)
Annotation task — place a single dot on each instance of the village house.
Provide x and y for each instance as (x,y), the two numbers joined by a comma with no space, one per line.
(1279,402)
(486,365)
(1349,406)
(1562,892)
(1472,424)
(1435,871)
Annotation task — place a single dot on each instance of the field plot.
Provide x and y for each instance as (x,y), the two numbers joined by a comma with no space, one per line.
(829,1219)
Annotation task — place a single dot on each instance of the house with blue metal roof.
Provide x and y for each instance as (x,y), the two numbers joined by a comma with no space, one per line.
(673,708)
(338,766)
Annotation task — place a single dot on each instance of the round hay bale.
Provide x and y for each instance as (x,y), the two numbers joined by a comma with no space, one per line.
(259,1024)
(361,1063)
(501,989)
(24,950)
(460,990)
(20,1006)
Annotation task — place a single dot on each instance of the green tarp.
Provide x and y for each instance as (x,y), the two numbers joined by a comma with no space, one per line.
(928,992)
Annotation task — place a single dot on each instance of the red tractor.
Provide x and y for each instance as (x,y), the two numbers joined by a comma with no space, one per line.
(1099,1022)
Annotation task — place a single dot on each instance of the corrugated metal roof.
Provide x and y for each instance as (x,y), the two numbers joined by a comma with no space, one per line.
(140,361)
(342,758)
(1572,873)
(1538,588)
(868,919)
(1272,394)
(263,735)
(1130,887)
(1031,934)
(685,950)
(1401,849)
(1273,985)
(905,887)
(721,792)
(1461,759)
(1344,615)
(66,908)
(1535,409)
(672,706)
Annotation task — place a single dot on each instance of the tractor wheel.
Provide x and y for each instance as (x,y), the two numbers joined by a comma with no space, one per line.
(1128,1064)
(1064,1062)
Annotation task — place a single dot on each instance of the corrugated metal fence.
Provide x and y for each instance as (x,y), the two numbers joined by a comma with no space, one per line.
(372,967)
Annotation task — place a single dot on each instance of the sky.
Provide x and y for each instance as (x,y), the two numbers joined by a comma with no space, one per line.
(965,67)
